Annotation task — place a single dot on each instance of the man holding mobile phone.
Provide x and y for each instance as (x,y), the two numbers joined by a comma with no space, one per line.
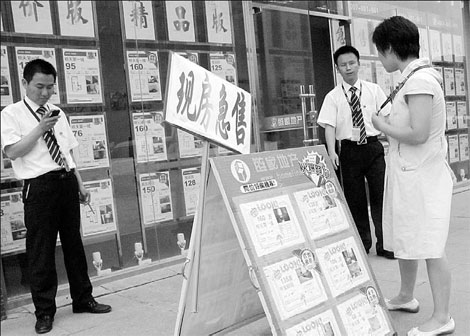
(38,139)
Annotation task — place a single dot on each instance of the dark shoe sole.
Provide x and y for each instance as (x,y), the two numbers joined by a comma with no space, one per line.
(80,311)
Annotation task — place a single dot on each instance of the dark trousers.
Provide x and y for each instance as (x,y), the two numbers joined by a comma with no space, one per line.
(358,163)
(51,206)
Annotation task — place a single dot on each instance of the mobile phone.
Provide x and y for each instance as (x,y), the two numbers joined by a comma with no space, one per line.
(54,113)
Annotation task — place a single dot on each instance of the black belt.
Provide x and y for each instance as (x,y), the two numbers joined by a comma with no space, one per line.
(56,175)
(369,140)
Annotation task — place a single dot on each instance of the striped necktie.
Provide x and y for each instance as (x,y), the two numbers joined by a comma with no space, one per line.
(357,118)
(51,142)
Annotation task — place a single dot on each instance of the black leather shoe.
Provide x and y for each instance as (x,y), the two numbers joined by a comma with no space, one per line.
(91,307)
(386,254)
(44,324)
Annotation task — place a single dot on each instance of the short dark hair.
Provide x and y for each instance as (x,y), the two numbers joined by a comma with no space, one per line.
(38,66)
(347,49)
(400,34)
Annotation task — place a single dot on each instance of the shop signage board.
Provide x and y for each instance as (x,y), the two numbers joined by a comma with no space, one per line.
(279,220)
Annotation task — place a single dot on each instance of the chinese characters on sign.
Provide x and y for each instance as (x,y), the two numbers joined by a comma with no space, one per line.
(202,103)
(138,20)
(150,140)
(219,29)
(144,75)
(76,18)
(32,17)
(180,21)
(155,194)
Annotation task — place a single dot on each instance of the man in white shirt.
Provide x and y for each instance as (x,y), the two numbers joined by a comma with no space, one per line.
(38,139)
(346,116)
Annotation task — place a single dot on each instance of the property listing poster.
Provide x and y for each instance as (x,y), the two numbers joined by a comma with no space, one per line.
(191,185)
(5,89)
(322,213)
(193,57)
(32,17)
(90,132)
(365,70)
(180,21)
(189,145)
(462,116)
(100,215)
(463,144)
(223,65)
(435,45)
(272,224)
(26,54)
(12,222)
(155,197)
(449,82)
(219,26)
(460,89)
(138,20)
(453,143)
(295,285)
(76,18)
(342,265)
(323,324)
(82,76)
(362,315)
(7,170)
(451,115)
(144,75)
(150,140)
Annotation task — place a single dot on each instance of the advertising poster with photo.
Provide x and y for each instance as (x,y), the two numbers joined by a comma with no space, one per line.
(155,197)
(323,324)
(5,89)
(384,79)
(322,211)
(219,26)
(189,145)
(90,132)
(26,54)
(76,18)
(138,20)
(449,82)
(6,167)
(223,65)
(149,134)
(12,222)
(272,224)
(144,75)
(453,142)
(460,89)
(362,315)
(180,21)
(451,114)
(342,265)
(82,76)
(99,216)
(463,144)
(295,284)
(32,17)
(191,184)
(462,116)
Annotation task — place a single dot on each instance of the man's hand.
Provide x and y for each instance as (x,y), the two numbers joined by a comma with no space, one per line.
(47,122)
(334,160)
(84,195)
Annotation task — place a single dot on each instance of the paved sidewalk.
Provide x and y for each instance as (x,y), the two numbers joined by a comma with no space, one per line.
(147,303)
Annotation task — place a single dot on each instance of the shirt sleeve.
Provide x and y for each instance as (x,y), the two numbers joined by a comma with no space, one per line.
(328,112)
(419,83)
(10,128)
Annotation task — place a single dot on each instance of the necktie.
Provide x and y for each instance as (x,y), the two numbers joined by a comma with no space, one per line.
(51,142)
(358,120)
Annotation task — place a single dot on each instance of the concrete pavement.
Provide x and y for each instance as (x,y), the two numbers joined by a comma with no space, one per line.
(147,303)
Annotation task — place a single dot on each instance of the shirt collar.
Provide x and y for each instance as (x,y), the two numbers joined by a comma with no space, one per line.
(414,64)
(33,105)
(357,85)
